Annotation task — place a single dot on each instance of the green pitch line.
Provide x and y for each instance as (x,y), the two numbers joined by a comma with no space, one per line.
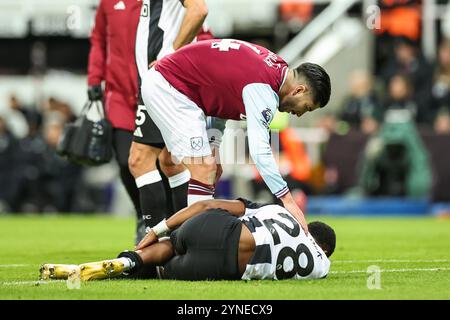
(412,256)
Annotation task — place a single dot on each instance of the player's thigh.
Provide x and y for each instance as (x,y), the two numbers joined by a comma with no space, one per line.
(181,122)
(170,165)
(142,158)
(207,247)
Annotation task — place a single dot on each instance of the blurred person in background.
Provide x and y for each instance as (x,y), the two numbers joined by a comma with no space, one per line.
(441,89)
(9,156)
(15,117)
(59,177)
(64,110)
(400,95)
(409,61)
(362,109)
(112,62)
(32,116)
(398,18)
(164,27)
(293,16)
(45,181)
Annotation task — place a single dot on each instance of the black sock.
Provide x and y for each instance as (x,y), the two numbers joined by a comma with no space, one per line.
(179,196)
(133,256)
(140,270)
(179,189)
(167,190)
(152,198)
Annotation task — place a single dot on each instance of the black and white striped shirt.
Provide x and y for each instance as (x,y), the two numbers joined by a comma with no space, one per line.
(158,27)
(283,250)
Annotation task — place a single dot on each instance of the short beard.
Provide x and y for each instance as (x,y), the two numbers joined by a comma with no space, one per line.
(283,107)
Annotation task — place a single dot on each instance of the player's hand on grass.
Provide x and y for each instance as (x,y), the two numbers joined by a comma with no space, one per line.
(292,207)
(149,239)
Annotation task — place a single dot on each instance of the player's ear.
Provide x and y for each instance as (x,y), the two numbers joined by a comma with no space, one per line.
(301,88)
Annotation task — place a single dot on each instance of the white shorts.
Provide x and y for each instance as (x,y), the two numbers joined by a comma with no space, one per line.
(181,122)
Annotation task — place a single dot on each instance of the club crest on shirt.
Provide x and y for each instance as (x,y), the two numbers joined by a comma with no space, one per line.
(267,117)
(196,143)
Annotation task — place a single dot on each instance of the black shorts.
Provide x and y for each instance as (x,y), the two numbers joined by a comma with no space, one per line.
(207,248)
(146,131)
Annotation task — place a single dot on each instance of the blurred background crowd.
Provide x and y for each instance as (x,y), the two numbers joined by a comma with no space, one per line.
(385,132)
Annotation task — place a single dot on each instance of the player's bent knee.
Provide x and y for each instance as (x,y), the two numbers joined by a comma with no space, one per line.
(169,167)
(204,171)
(142,159)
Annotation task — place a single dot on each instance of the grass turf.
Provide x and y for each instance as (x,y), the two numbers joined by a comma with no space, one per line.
(413,254)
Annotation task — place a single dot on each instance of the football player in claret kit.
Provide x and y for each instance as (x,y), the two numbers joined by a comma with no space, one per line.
(228,79)
(164,26)
(220,240)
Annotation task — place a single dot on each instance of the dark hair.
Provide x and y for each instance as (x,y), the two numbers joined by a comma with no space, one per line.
(318,79)
(324,235)
(403,40)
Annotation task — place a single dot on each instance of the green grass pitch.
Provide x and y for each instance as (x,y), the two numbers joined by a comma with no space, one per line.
(413,255)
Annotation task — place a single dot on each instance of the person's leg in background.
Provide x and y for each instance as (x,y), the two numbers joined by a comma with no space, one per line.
(142,164)
(144,153)
(167,189)
(178,177)
(121,144)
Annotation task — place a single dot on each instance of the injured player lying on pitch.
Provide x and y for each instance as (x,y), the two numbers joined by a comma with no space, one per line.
(219,240)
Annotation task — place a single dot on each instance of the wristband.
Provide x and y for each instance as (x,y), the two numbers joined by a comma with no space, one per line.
(161,228)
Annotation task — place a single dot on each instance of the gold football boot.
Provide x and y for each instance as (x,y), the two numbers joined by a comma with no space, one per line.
(50,271)
(101,269)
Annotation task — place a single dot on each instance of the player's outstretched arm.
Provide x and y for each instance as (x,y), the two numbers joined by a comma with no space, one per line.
(291,206)
(260,106)
(234,207)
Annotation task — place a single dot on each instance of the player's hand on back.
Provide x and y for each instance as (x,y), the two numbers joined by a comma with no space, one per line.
(152,64)
(291,206)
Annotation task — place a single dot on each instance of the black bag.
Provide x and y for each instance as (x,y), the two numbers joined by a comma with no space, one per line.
(85,141)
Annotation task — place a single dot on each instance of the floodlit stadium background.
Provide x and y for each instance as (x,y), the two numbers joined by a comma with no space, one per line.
(359,155)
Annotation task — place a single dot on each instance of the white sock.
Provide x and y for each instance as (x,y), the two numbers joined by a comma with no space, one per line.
(179,179)
(127,263)
(148,178)
(193,198)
